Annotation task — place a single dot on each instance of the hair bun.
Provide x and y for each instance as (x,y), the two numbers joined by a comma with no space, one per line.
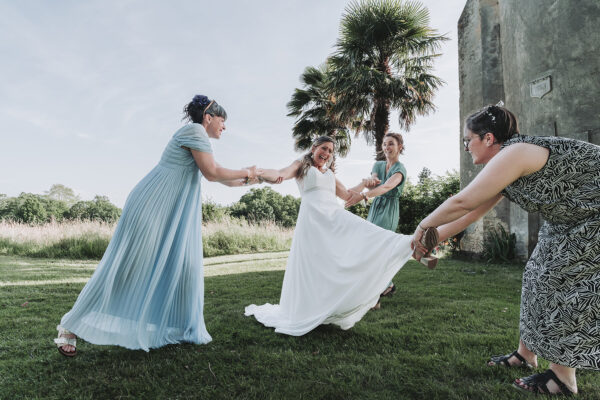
(200,100)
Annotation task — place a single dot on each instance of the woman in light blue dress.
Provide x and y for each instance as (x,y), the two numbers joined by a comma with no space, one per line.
(148,289)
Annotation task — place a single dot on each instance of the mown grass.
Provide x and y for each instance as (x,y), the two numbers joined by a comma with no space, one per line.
(429,341)
(88,239)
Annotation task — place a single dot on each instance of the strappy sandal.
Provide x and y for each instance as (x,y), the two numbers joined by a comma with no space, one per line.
(503,360)
(61,341)
(430,239)
(537,384)
(389,291)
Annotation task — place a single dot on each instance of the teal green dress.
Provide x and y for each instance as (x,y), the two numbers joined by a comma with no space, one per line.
(385,209)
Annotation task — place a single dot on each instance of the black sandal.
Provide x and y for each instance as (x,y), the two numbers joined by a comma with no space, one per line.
(537,384)
(503,360)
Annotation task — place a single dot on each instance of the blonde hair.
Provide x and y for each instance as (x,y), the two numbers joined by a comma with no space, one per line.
(307,160)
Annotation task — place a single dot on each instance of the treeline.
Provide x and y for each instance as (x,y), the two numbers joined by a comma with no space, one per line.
(258,205)
(58,204)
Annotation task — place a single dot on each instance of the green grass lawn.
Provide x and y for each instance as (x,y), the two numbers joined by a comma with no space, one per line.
(429,341)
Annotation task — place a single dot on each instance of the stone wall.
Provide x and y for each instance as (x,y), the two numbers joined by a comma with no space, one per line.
(542,58)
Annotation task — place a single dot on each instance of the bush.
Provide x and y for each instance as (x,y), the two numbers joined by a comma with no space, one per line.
(265,204)
(213,212)
(418,201)
(499,245)
(32,208)
(99,209)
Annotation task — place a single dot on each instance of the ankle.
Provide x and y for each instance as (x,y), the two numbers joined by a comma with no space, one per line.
(566,375)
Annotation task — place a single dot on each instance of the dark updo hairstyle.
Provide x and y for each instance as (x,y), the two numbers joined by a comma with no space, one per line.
(194,111)
(495,119)
(307,160)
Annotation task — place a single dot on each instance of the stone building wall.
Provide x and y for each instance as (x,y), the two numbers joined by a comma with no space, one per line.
(542,58)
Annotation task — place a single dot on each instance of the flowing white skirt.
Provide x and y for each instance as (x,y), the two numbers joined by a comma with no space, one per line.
(338,266)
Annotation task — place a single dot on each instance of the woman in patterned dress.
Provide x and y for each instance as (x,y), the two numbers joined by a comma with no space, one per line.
(148,289)
(385,187)
(560,298)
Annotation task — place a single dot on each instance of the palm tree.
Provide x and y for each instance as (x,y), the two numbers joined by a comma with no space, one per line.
(313,107)
(383,61)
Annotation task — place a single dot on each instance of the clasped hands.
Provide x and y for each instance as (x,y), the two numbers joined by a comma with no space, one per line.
(357,197)
(255,175)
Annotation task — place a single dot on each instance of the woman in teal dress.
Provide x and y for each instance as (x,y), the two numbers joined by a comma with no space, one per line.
(148,289)
(385,187)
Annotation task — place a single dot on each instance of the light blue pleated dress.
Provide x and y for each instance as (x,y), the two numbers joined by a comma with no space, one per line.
(148,289)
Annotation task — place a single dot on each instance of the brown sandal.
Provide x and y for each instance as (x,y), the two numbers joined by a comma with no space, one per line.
(430,239)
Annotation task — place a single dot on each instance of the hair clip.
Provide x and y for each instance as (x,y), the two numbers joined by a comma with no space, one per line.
(500,104)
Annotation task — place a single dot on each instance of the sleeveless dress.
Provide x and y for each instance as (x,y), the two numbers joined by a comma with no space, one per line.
(148,289)
(385,209)
(560,299)
(338,264)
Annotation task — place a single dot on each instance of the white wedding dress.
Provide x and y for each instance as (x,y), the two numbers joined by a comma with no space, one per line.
(338,265)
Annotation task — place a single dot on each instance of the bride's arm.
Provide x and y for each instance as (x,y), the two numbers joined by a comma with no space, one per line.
(341,191)
(278,175)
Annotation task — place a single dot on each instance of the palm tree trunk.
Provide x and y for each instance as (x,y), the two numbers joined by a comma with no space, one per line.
(382,125)
(382,113)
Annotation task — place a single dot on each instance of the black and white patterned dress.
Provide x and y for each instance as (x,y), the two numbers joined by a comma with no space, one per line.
(560,298)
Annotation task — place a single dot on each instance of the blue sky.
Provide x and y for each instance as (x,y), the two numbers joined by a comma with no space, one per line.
(92,91)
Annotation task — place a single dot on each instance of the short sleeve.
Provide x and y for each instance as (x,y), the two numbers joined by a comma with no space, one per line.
(398,168)
(194,137)
(377,170)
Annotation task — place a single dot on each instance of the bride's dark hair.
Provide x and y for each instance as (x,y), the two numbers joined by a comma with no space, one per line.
(307,160)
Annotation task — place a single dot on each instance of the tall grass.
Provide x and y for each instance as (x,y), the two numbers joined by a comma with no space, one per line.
(76,240)
(235,236)
(89,239)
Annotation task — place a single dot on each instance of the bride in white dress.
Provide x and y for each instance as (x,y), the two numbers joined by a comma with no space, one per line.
(339,263)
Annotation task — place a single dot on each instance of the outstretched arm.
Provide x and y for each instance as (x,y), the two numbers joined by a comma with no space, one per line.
(279,175)
(391,183)
(471,203)
(341,191)
(368,183)
(452,228)
(235,182)
(213,172)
